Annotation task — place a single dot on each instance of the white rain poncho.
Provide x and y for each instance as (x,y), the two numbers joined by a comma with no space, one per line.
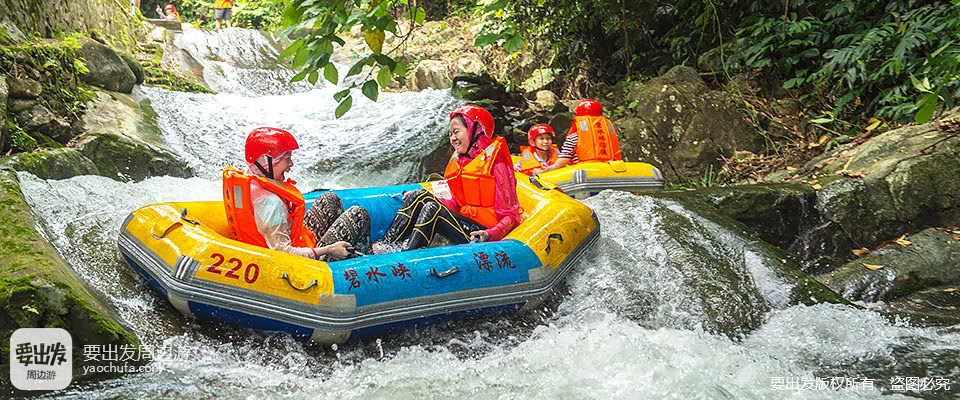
(271,214)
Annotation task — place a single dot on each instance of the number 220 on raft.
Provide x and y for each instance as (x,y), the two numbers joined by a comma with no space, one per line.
(249,274)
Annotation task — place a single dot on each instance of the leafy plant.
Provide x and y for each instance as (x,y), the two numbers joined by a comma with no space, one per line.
(321,22)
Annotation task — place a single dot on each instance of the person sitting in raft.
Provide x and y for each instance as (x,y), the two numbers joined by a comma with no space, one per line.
(592,137)
(482,202)
(541,152)
(265,208)
(171,13)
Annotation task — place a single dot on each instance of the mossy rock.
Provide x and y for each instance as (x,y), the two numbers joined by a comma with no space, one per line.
(54,164)
(38,289)
(683,127)
(931,259)
(125,158)
(3,114)
(105,68)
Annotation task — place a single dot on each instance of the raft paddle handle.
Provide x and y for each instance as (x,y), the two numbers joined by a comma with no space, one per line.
(553,236)
(534,179)
(444,274)
(287,278)
(183,216)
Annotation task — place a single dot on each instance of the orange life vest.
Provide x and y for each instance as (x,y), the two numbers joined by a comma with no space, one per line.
(596,139)
(529,161)
(472,184)
(177,14)
(239,208)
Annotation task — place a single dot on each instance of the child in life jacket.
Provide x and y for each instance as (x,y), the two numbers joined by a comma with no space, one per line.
(541,152)
(265,208)
(482,203)
(592,137)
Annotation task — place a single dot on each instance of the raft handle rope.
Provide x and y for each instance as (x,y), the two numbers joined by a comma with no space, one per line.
(183,216)
(534,179)
(287,278)
(553,236)
(444,274)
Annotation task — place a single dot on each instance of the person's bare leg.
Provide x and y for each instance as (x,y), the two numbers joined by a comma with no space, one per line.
(217,23)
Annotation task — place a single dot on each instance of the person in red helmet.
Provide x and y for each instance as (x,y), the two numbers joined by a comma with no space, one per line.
(169,12)
(592,137)
(482,201)
(541,152)
(264,207)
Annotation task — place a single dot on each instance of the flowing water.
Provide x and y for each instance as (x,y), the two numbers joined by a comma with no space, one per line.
(626,325)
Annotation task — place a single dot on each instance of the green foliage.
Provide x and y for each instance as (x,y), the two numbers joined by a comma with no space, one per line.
(851,57)
(321,22)
(707,180)
(869,50)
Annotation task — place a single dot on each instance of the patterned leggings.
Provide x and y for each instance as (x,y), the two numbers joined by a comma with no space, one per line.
(330,223)
(422,217)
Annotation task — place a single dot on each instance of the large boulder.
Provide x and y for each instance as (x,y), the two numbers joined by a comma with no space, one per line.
(709,267)
(132,63)
(126,158)
(430,74)
(858,197)
(918,271)
(39,290)
(59,163)
(682,126)
(105,68)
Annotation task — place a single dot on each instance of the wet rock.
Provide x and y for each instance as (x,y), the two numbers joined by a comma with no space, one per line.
(931,259)
(430,74)
(126,158)
(683,126)
(39,290)
(437,160)
(908,279)
(717,257)
(106,69)
(23,88)
(59,163)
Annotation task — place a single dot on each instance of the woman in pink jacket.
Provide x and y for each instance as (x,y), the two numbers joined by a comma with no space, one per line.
(482,205)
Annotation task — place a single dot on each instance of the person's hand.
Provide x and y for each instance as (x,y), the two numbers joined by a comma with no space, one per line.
(537,171)
(479,236)
(337,251)
(159,10)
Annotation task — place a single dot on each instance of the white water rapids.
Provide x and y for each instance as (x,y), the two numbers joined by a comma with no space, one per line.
(626,327)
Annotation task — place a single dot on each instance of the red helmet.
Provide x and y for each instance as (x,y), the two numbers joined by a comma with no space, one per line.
(538,130)
(589,107)
(168,7)
(476,114)
(269,141)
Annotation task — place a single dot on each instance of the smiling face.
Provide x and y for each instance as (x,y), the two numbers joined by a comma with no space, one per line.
(459,136)
(542,141)
(281,167)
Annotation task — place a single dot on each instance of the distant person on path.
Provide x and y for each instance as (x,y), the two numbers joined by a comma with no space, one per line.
(171,13)
(223,11)
(592,137)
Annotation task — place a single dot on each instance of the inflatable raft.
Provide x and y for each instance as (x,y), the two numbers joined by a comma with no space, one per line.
(586,179)
(182,250)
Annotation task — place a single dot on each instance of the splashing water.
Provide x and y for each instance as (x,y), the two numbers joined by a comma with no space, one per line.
(628,325)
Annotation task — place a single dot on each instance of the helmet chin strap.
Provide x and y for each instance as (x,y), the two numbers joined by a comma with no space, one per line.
(545,150)
(473,139)
(269,164)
